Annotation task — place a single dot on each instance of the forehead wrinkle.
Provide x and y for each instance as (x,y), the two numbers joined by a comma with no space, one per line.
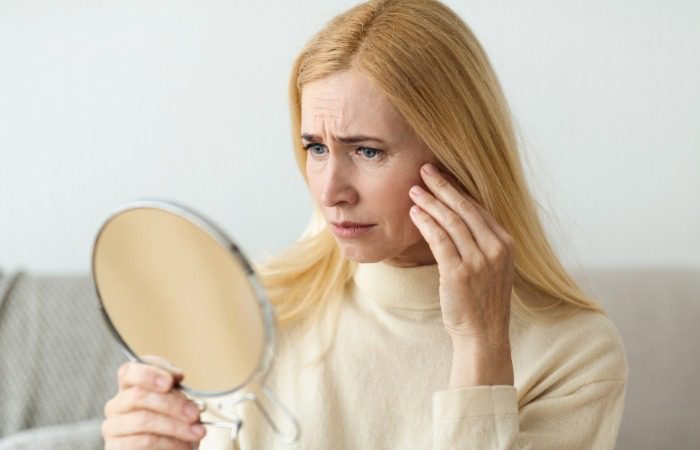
(326,114)
(324,121)
(328,110)
(327,123)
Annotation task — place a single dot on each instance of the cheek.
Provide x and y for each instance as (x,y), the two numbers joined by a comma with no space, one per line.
(313,180)
(396,206)
(401,205)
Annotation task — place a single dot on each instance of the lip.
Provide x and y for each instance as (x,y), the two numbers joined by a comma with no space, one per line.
(350,229)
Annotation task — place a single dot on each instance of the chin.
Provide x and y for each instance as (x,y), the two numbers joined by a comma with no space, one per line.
(417,255)
(360,255)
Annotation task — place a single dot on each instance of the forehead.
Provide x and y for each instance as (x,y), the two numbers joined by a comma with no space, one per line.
(348,102)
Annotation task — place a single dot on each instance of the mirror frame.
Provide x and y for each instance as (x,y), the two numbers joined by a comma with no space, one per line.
(234,250)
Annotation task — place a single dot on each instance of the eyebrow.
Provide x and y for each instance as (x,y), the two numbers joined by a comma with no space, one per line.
(344,139)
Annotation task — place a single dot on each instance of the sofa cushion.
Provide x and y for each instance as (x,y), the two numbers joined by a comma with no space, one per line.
(58,362)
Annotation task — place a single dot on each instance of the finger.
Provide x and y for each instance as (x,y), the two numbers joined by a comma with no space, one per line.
(448,220)
(146,441)
(174,404)
(147,422)
(438,240)
(161,362)
(497,228)
(490,220)
(147,376)
(462,204)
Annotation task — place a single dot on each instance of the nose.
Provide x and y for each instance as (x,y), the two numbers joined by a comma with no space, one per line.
(337,188)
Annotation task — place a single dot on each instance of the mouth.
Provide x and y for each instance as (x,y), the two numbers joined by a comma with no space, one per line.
(349,224)
(347,229)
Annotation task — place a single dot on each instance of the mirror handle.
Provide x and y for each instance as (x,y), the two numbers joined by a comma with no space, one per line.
(288,438)
(227,407)
(234,425)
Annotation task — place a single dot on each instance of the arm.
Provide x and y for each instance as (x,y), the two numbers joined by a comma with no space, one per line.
(475,257)
(488,417)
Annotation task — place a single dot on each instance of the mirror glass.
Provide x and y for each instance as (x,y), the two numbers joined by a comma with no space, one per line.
(172,285)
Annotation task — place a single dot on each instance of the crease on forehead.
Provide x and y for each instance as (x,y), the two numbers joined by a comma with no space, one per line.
(351,103)
(374,115)
(336,107)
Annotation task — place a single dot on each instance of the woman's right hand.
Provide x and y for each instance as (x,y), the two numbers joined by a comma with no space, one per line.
(148,412)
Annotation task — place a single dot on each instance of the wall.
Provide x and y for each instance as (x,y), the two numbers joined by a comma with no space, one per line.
(104,102)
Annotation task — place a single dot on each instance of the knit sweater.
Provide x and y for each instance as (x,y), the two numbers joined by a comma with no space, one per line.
(384,384)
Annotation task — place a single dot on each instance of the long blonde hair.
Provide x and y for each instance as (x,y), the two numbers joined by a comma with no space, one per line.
(432,68)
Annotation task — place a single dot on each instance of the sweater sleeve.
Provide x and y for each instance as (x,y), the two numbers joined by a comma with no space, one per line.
(488,417)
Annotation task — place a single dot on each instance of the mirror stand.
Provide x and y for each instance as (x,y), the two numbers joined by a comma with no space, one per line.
(228,409)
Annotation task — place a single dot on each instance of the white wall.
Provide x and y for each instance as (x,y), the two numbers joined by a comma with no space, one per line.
(103,102)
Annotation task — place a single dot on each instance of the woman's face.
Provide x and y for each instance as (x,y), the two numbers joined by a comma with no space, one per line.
(362,159)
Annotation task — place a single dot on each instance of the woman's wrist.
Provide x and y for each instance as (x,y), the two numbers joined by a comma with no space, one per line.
(475,364)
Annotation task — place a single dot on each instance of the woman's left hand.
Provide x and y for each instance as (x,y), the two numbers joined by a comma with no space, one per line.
(474,255)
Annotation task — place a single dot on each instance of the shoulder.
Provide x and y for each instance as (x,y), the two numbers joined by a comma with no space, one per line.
(567,352)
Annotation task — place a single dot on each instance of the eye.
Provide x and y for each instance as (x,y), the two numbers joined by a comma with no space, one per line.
(369,153)
(315,149)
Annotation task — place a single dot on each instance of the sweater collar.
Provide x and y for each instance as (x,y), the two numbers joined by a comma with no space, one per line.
(409,288)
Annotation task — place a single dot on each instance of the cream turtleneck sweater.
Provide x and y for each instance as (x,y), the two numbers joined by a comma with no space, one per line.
(384,384)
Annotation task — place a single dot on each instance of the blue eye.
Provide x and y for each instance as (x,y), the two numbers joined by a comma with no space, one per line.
(312,148)
(317,150)
(369,153)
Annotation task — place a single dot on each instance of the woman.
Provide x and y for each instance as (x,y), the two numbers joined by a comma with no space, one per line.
(424,306)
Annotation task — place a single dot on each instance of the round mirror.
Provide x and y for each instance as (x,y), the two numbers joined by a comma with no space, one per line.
(171,284)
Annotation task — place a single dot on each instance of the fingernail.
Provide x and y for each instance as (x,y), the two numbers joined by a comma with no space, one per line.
(416,190)
(162,382)
(197,430)
(191,411)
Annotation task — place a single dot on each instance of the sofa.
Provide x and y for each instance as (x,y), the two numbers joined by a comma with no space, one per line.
(58,361)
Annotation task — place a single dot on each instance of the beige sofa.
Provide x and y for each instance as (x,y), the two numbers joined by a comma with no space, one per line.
(57,361)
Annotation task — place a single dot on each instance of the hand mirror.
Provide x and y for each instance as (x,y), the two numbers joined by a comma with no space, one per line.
(172,284)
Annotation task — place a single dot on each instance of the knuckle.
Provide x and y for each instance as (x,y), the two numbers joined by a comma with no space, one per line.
(478,264)
(123,371)
(438,236)
(496,252)
(134,375)
(509,241)
(452,220)
(441,182)
(137,395)
(464,205)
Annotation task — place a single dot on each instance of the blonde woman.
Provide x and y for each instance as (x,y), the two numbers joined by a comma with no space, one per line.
(424,306)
